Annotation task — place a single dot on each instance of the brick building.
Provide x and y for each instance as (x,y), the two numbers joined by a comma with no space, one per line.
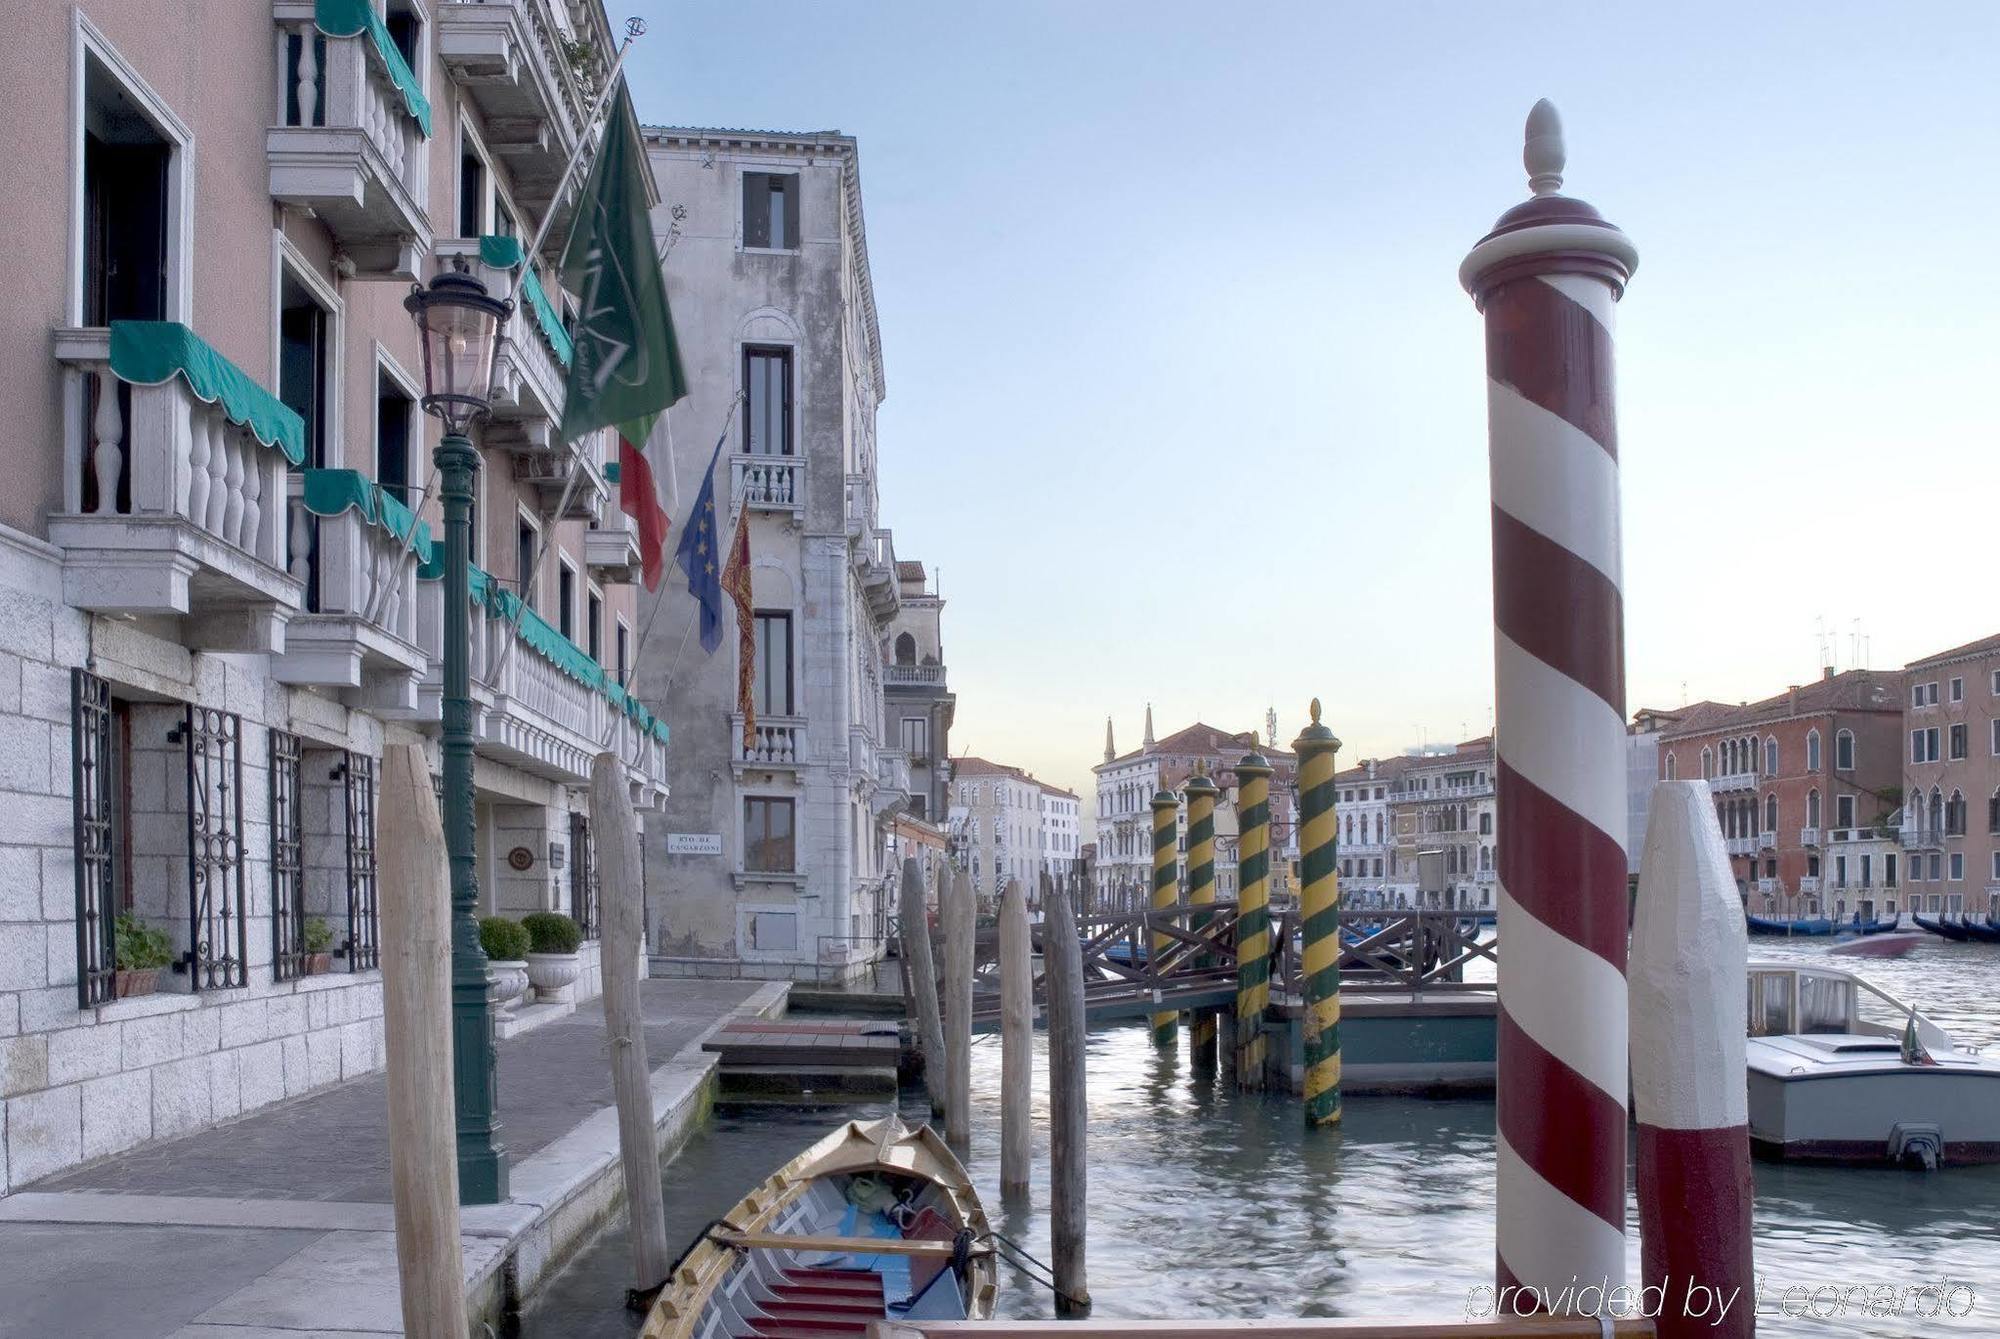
(1951,813)
(1795,776)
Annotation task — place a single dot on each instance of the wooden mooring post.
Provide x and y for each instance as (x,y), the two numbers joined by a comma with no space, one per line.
(1017,1039)
(1201,794)
(618,866)
(416,1028)
(1166,892)
(955,911)
(921,968)
(1253,918)
(1069,1105)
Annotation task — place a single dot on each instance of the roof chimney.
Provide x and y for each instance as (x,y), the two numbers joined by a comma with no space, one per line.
(1792,700)
(1826,672)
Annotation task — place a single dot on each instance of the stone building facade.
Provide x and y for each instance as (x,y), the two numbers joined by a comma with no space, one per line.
(1951,779)
(775,858)
(219,538)
(1445,802)
(1794,776)
(1367,831)
(918,697)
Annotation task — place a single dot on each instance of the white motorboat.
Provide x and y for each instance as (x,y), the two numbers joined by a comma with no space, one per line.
(1842,1072)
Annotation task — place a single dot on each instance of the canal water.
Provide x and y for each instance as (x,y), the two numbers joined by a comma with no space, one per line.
(1208,1203)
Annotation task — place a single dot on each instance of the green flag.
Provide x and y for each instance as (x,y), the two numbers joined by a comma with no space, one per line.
(627,365)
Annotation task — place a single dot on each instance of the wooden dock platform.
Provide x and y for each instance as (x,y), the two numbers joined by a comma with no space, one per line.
(806,1059)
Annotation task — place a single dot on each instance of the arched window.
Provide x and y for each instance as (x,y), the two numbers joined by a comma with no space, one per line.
(1378,829)
(1954,815)
(1993,820)
(1843,751)
(1707,764)
(1770,757)
(1812,808)
(1937,810)
(1812,751)
(1673,768)
(1770,813)
(906,650)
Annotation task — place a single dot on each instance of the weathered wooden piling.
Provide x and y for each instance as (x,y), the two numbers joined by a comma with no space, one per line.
(956,911)
(1069,1106)
(1253,917)
(1688,988)
(617,831)
(920,968)
(416,1028)
(1319,914)
(1166,892)
(1017,1039)
(1547,278)
(1201,793)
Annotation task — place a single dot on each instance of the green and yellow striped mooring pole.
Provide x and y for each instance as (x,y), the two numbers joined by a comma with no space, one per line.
(1201,793)
(1253,917)
(1319,907)
(1166,892)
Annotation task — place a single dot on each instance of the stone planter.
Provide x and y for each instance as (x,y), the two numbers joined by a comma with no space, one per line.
(134,981)
(552,974)
(508,981)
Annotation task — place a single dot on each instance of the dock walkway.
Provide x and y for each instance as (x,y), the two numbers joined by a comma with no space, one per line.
(280,1223)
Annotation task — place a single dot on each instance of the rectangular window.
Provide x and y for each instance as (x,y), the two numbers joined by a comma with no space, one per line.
(524,560)
(302,362)
(777,930)
(1994,725)
(1996,867)
(1930,694)
(624,650)
(1889,870)
(1957,741)
(771,211)
(1958,690)
(471,192)
(593,628)
(1867,871)
(1936,865)
(1843,811)
(768,847)
(394,413)
(916,736)
(1958,866)
(773,684)
(1843,751)
(126,180)
(98,781)
(767,418)
(1840,871)
(566,600)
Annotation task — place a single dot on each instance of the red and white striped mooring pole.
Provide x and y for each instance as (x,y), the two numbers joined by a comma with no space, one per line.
(1547,278)
(1690,957)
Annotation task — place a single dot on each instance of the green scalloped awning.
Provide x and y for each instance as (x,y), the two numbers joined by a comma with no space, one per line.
(147,353)
(492,595)
(504,253)
(350,18)
(331,492)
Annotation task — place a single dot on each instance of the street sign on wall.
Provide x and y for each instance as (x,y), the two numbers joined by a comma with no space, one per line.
(694,843)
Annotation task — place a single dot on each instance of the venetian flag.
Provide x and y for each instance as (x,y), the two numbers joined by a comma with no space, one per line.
(736,585)
(626,368)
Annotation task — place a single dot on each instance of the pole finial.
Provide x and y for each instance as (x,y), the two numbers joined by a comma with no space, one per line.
(1543,154)
(1315,711)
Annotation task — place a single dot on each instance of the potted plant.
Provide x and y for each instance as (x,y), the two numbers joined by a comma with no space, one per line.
(506,947)
(317,941)
(553,940)
(142,951)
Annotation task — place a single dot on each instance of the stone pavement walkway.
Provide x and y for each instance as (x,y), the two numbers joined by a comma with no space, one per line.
(279,1223)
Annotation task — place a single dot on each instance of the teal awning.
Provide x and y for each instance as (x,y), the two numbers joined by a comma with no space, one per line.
(146,353)
(350,18)
(504,253)
(331,492)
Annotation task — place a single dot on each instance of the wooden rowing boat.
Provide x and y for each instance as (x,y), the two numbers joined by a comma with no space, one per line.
(877,1221)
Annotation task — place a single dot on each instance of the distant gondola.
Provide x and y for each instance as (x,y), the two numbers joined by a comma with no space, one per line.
(1760,925)
(1945,929)
(1986,932)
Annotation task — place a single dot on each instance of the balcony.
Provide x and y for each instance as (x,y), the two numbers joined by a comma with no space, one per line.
(174,487)
(776,743)
(913,676)
(530,368)
(892,781)
(612,550)
(509,59)
(357,550)
(860,514)
(1767,841)
(548,474)
(1741,845)
(769,483)
(352,145)
(1921,839)
(878,578)
(1809,837)
(1733,782)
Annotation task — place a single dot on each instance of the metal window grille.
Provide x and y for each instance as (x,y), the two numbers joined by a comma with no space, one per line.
(91,774)
(363,921)
(582,876)
(217,957)
(288,906)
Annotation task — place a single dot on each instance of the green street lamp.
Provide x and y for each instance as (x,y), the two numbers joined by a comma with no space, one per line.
(460,324)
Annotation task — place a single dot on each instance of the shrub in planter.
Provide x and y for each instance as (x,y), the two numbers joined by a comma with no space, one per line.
(317,941)
(553,940)
(142,951)
(506,947)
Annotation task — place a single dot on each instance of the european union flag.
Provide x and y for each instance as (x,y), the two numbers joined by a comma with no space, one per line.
(700,556)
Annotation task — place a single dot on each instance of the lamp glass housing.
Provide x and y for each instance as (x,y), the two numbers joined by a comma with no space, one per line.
(460,325)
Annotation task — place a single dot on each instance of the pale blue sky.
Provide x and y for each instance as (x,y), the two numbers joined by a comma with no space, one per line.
(1185,401)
